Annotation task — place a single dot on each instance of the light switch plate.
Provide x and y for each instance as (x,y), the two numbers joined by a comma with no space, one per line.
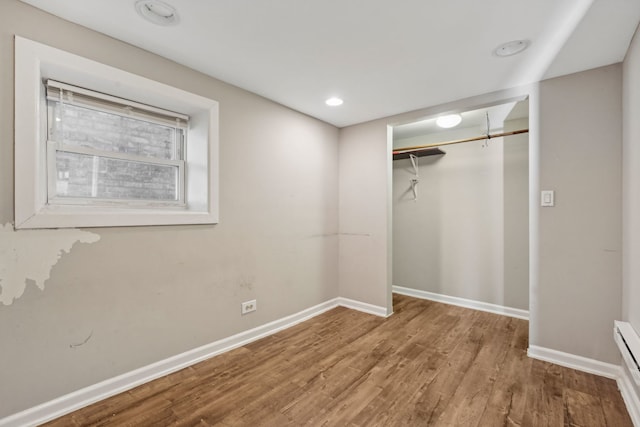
(547,198)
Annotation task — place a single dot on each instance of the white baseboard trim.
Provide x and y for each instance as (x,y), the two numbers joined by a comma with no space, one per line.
(463,302)
(102,390)
(630,397)
(591,366)
(364,307)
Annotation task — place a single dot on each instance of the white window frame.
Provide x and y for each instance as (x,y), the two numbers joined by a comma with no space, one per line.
(35,62)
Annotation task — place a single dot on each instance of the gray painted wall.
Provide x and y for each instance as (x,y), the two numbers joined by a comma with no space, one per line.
(365,214)
(580,240)
(631,187)
(148,293)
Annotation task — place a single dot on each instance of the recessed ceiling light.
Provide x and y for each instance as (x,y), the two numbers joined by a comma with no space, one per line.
(334,102)
(511,48)
(449,121)
(157,12)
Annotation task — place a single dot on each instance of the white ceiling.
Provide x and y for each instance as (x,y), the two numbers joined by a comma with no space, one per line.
(383,57)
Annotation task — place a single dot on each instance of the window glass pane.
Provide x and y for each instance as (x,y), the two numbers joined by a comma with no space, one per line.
(85,127)
(86,176)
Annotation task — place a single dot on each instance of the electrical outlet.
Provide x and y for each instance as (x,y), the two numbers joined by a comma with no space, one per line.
(249,306)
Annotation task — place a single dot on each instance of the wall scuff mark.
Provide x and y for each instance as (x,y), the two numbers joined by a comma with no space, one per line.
(31,254)
(83,342)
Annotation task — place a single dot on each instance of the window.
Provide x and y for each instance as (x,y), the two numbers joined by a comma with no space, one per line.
(97,146)
(103,150)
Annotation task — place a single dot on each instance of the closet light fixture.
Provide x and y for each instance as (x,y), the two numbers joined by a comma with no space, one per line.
(449,121)
(157,12)
(334,102)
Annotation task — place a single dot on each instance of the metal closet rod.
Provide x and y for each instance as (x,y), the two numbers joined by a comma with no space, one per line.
(458,141)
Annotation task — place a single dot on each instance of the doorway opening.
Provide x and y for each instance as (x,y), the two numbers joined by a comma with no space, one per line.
(460,209)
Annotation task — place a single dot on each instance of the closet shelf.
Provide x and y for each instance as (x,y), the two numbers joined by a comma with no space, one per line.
(418,153)
(425,150)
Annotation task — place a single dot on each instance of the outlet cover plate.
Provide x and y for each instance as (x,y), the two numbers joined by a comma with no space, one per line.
(249,306)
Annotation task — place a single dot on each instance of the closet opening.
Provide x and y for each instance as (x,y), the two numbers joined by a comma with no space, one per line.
(460,209)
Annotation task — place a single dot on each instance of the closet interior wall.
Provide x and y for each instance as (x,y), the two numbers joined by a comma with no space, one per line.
(466,233)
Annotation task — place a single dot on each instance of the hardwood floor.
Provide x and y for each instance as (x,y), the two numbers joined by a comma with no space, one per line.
(428,364)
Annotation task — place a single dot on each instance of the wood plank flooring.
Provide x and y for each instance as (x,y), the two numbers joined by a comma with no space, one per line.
(429,364)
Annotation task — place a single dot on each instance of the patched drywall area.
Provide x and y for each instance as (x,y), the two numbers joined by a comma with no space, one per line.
(31,254)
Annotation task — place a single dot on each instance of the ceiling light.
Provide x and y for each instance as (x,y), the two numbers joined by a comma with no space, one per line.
(511,48)
(333,102)
(157,12)
(449,121)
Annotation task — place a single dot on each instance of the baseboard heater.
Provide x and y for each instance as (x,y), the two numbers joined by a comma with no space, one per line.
(629,344)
